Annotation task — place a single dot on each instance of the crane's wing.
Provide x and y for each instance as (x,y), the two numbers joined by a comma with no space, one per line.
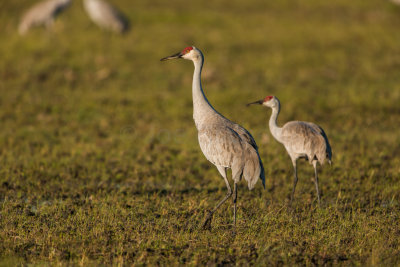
(244,134)
(306,138)
(247,137)
(223,146)
(60,7)
(328,149)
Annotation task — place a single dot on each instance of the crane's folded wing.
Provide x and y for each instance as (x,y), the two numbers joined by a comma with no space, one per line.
(223,146)
(306,138)
(244,134)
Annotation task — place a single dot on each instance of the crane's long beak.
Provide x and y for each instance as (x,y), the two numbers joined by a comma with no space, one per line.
(177,55)
(256,102)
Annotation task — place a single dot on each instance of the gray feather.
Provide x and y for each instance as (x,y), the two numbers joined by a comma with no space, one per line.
(306,138)
(223,146)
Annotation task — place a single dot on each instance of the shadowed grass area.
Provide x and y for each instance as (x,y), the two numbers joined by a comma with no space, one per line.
(99,160)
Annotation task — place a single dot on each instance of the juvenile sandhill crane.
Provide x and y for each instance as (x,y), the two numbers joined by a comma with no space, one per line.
(42,14)
(301,140)
(105,15)
(224,143)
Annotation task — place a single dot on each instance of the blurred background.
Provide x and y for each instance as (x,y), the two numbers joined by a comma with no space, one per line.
(91,113)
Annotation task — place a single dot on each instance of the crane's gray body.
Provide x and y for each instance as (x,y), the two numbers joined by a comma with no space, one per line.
(105,15)
(42,14)
(228,145)
(306,140)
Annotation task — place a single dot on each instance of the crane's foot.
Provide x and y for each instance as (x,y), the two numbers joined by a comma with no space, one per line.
(207,222)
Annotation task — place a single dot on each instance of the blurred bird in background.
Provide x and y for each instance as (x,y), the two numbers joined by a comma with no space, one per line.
(106,16)
(42,14)
(396,2)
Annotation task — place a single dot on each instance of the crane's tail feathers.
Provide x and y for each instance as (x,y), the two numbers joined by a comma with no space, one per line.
(262,174)
(254,170)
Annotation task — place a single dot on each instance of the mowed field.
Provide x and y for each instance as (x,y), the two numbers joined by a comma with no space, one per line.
(99,159)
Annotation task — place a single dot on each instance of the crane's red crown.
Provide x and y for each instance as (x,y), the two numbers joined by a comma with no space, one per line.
(187,50)
(268,98)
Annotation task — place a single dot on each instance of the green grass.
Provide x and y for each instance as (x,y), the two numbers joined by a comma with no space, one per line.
(99,161)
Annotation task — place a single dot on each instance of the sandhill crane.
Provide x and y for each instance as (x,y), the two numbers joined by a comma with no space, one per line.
(105,15)
(301,140)
(224,143)
(42,14)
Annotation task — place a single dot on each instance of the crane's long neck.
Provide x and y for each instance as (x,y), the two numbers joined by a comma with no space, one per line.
(202,109)
(273,126)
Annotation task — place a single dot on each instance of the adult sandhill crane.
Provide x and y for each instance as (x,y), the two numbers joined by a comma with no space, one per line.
(301,140)
(105,15)
(224,143)
(42,14)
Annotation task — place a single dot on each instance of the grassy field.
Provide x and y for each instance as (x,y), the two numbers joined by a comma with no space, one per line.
(99,160)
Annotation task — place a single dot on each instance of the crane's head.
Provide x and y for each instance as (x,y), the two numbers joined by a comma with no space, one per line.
(268,101)
(190,53)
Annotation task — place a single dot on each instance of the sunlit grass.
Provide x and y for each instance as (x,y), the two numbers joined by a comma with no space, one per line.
(99,161)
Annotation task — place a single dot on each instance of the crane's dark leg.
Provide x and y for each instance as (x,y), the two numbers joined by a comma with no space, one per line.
(294,181)
(234,202)
(207,222)
(316,181)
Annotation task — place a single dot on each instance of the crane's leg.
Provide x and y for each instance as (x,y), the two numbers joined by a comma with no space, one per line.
(294,181)
(316,181)
(234,202)
(207,222)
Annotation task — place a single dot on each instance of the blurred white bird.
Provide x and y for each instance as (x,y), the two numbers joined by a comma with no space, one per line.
(105,15)
(42,14)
